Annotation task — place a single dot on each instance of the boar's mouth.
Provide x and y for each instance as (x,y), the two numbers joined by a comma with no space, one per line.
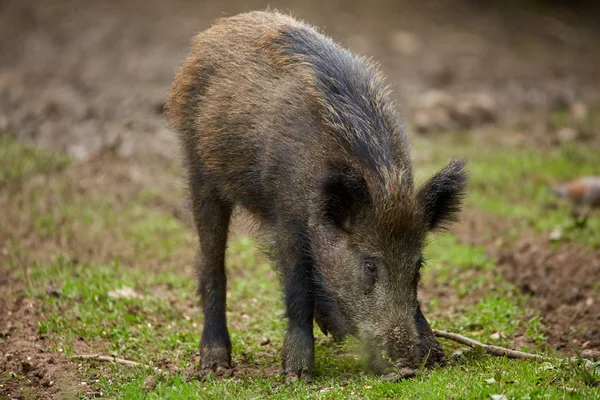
(403,348)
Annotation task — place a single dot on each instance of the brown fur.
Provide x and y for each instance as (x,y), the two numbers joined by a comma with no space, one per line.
(277,118)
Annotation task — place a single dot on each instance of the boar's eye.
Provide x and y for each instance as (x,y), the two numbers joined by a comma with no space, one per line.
(369,269)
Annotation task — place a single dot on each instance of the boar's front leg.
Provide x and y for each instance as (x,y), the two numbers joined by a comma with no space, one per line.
(211,216)
(297,270)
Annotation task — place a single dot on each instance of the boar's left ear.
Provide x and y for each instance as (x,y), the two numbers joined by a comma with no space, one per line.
(441,196)
(343,193)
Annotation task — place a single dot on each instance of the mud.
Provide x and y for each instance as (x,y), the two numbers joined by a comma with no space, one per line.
(560,281)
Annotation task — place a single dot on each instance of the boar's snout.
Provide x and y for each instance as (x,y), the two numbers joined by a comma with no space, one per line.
(423,350)
(408,345)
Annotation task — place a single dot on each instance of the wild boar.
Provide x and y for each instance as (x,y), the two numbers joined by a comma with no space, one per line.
(277,118)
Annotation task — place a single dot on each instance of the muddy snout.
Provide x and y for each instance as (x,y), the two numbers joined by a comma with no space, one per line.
(415,347)
(425,352)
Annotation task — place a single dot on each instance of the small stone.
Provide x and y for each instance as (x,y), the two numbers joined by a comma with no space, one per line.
(566,134)
(54,292)
(150,383)
(578,111)
(124,293)
(591,354)
(556,234)
(589,301)
(459,352)
(78,151)
(265,341)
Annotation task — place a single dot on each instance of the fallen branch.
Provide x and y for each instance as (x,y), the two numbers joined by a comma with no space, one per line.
(490,349)
(121,361)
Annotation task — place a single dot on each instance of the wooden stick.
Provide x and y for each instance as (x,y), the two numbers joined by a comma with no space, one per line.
(490,349)
(121,361)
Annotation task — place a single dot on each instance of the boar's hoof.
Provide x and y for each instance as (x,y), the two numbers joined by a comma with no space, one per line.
(294,376)
(402,373)
(219,370)
(215,360)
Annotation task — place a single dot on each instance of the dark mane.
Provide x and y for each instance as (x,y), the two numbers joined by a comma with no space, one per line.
(355,101)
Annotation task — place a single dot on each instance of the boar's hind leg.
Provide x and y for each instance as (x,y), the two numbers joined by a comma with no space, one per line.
(297,267)
(211,216)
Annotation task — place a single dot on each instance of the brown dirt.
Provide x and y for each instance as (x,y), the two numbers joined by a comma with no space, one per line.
(560,281)
(25,352)
(563,285)
(86,77)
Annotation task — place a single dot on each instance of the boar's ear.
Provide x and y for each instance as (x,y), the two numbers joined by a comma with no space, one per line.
(343,193)
(441,196)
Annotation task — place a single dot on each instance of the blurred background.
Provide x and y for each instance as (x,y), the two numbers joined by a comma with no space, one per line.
(89,175)
(77,75)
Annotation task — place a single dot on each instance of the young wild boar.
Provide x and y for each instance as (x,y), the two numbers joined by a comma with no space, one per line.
(279,119)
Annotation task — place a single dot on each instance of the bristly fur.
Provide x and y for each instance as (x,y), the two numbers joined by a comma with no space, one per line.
(278,119)
(356,105)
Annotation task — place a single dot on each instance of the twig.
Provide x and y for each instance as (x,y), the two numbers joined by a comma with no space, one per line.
(121,361)
(490,349)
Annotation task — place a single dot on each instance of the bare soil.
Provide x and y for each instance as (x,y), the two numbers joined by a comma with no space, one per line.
(562,285)
(561,282)
(89,77)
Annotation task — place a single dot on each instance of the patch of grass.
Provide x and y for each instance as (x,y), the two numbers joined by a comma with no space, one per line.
(135,327)
(446,249)
(535,330)
(463,267)
(466,378)
(163,326)
(153,230)
(136,231)
(81,310)
(588,374)
(490,315)
(19,161)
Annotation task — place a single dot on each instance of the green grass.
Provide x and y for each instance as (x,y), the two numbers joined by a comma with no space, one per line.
(19,161)
(161,325)
(164,325)
(493,377)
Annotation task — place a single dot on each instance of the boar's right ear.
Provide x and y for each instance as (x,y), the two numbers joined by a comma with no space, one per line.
(441,196)
(343,193)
